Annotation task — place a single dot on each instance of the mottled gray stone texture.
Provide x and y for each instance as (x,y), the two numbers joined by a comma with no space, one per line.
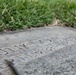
(60,62)
(39,51)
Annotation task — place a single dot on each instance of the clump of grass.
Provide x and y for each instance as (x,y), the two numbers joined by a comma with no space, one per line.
(16,14)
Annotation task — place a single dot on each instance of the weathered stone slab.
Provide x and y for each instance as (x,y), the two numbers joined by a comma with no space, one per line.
(60,62)
(43,51)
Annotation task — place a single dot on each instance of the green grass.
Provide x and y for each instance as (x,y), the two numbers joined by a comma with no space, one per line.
(17,14)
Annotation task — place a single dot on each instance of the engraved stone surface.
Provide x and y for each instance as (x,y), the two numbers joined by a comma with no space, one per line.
(42,51)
